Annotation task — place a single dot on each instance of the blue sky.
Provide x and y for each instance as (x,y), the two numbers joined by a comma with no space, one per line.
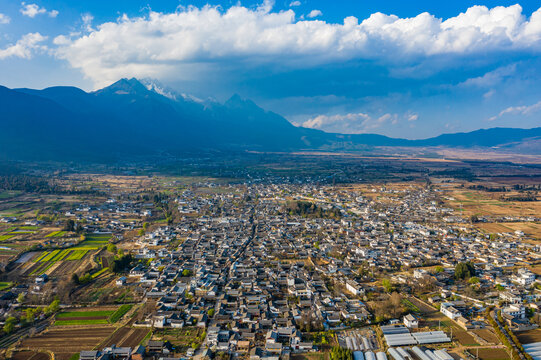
(399,68)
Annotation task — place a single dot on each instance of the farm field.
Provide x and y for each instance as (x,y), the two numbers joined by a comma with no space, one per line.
(83,317)
(487,335)
(92,317)
(30,355)
(66,341)
(93,242)
(5,285)
(528,228)
(476,202)
(491,354)
(530,336)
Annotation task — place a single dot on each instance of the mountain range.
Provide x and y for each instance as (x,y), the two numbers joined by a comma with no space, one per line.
(132,117)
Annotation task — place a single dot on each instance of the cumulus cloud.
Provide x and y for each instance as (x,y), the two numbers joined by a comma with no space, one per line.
(353,123)
(295,3)
(166,45)
(518,110)
(314,14)
(4,19)
(32,10)
(25,47)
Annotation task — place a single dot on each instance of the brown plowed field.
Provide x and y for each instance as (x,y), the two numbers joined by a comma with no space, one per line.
(136,336)
(117,336)
(64,342)
(30,355)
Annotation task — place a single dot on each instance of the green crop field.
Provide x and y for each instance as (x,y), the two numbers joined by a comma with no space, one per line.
(50,256)
(56,234)
(81,322)
(98,273)
(83,314)
(76,255)
(5,237)
(121,311)
(5,285)
(93,242)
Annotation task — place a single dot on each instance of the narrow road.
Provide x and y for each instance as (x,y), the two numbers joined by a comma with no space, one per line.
(6,341)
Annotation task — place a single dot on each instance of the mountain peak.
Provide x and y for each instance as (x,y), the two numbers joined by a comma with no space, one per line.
(236,101)
(125,86)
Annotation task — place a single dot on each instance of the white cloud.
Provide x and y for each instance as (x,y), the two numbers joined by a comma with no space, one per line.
(354,123)
(4,19)
(295,3)
(491,78)
(87,21)
(314,14)
(32,10)
(520,110)
(413,117)
(170,45)
(24,47)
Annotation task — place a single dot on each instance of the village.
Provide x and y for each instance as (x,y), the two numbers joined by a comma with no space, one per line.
(271,271)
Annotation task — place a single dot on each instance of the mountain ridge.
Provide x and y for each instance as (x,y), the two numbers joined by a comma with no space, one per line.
(129,117)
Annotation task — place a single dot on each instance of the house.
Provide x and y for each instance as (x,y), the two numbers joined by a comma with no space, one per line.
(411,321)
(449,310)
(515,310)
(89,355)
(121,281)
(41,279)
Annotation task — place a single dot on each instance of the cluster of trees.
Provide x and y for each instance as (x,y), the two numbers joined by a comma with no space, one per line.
(71,225)
(529,196)
(310,209)
(85,279)
(121,263)
(338,353)
(464,270)
(309,323)
(26,183)
(30,315)
(389,308)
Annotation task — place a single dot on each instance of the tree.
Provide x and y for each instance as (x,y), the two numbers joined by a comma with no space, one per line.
(464,270)
(474,280)
(211,312)
(439,269)
(9,325)
(386,283)
(111,248)
(20,298)
(70,225)
(53,307)
(121,263)
(186,272)
(75,279)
